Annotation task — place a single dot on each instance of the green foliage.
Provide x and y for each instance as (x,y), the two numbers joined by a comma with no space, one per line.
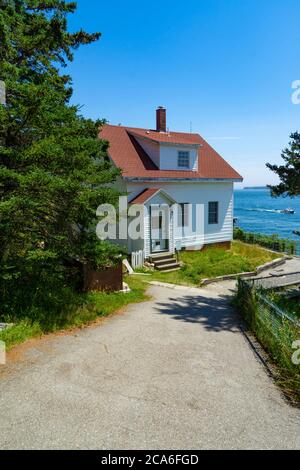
(273,242)
(289,173)
(54,171)
(275,334)
(102,254)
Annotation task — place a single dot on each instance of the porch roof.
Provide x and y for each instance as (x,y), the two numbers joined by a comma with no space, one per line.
(148,194)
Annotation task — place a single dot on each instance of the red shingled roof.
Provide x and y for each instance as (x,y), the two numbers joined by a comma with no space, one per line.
(128,155)
(167,137)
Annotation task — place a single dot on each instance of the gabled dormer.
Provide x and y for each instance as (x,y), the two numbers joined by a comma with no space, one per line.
(169,151)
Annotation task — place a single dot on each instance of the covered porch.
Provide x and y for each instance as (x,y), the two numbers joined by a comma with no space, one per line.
(158,207)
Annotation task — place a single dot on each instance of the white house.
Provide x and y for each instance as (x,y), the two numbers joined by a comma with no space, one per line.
(176,170)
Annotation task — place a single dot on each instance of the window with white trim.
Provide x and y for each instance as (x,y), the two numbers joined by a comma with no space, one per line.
(213,213)
(184,160)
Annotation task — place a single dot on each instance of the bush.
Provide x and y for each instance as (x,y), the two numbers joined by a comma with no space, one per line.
(42,286)
(273,242)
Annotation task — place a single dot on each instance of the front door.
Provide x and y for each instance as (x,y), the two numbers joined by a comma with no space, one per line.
(159,228)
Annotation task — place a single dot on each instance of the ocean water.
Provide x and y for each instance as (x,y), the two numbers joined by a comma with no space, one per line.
(257,211)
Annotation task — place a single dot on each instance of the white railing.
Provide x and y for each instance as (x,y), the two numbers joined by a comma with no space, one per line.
(137,259)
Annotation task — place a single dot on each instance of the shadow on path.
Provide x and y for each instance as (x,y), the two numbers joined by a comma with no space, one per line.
(214,313)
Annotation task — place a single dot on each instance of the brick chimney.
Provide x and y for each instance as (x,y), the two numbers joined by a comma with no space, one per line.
(161,119)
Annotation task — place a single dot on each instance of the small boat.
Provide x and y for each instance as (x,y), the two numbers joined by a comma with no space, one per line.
(288,211)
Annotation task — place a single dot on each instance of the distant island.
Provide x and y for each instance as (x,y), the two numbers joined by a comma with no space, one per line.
(256,187)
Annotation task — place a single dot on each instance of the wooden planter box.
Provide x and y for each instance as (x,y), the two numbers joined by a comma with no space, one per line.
(108,279)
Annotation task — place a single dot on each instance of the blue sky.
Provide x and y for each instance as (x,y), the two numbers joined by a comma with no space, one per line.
(227,66)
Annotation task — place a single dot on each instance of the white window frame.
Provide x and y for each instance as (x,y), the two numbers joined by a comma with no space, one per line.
(183,154)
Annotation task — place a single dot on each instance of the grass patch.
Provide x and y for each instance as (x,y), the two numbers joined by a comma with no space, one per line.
(215,262)
(19,333)
(84,309)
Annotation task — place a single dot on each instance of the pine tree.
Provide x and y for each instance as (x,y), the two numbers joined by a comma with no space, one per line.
(289,173)
(54,170)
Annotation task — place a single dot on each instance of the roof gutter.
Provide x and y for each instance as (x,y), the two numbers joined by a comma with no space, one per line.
(182,180)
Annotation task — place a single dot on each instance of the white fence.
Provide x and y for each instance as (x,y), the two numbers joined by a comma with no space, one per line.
(137,259)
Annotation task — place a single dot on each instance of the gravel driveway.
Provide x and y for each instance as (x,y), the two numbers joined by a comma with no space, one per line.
(175,372)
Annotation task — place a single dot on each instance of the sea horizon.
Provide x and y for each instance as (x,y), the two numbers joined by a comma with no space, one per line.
(257,211)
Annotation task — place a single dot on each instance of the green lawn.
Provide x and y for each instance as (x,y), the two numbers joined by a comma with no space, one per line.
(215,262)
(86,309)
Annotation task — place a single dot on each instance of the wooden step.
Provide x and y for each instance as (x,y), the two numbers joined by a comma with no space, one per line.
(170,270)
(164,261)
(160,256)
(169,266)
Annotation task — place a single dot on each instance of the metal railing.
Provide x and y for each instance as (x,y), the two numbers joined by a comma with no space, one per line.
(258,307)
(277,329)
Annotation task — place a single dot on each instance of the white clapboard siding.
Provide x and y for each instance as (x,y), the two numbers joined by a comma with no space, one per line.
(137,259)
(199,194)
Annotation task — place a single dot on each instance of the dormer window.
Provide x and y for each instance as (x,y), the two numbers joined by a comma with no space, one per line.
(184,160)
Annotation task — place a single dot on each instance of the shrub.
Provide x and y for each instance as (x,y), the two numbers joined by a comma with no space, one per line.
(273,242)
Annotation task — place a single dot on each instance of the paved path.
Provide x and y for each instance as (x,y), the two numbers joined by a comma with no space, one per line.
(290,266)
(175,372)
